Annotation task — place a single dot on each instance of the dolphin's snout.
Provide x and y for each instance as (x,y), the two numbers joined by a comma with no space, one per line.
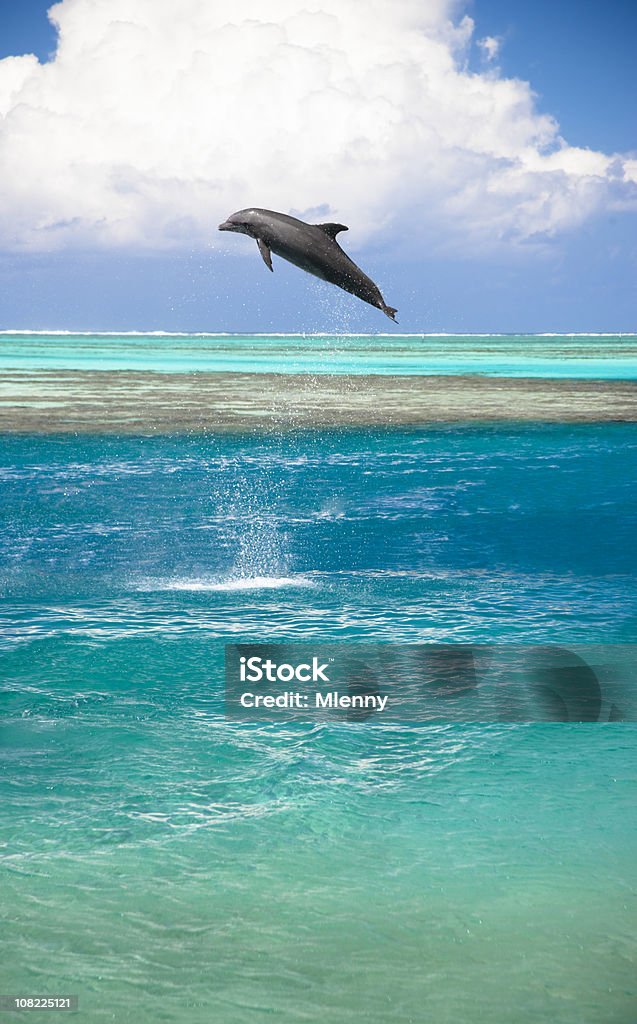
(226,226)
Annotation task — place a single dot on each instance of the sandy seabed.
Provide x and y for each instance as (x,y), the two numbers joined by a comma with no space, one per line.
(117,401)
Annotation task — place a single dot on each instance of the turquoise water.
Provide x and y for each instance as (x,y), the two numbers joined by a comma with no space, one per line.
(578,356)
(167,865)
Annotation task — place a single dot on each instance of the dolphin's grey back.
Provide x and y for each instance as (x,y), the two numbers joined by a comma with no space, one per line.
(312,247)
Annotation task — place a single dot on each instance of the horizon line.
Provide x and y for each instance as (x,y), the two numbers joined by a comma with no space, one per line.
(315,334)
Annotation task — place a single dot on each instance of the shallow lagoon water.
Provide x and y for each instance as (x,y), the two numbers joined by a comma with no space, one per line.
(168,865)
(607,357)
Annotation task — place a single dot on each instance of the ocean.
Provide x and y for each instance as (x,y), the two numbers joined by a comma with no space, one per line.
(587,356)
(166,495)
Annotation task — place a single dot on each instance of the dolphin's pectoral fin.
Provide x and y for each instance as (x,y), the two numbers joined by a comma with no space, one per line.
(332,229)
(265,252)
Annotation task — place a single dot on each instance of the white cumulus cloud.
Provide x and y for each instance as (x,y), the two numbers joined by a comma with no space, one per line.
(490,46)
(155,120)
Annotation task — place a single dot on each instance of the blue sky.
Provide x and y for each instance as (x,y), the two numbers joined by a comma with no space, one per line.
(577,274)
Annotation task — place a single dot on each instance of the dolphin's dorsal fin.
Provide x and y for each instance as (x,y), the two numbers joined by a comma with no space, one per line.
(332,229)
(265,252)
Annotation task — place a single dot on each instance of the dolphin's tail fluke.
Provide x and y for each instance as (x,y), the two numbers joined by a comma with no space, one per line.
(391,313)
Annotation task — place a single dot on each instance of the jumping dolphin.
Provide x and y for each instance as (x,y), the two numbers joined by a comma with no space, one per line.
(312,247)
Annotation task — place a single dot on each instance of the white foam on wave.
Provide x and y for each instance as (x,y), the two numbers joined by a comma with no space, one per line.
(228,584)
